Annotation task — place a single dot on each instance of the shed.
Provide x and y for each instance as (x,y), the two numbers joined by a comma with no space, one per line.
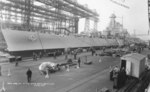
(134,64)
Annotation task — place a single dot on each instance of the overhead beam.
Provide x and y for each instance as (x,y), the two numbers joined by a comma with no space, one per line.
(32,15)
(82,7)
(63,6)
(52,13)
(66,7)
(22,8)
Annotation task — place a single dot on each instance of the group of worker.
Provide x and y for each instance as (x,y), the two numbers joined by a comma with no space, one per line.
(118,76)
(35,56)
(29,72)
(74,53)
(39,55)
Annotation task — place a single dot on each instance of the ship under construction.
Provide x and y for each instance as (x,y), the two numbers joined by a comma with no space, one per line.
(45,25)
(34,29)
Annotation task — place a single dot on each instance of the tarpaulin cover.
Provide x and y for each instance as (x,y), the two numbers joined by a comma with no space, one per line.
(43,66)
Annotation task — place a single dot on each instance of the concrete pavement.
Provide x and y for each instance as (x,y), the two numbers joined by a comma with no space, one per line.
(60,81)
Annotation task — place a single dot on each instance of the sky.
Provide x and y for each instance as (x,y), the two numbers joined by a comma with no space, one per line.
(135,19)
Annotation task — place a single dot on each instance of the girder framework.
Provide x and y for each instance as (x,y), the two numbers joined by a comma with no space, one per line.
(149,15)
(59,16)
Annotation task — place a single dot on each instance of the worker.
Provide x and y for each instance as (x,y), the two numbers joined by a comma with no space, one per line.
(29,75)
(75,54)
(111,73)
(55,55)
(66,56)
(40,54)
(16,62)
(115,77)
(79,62)
(34,56)
(124,76)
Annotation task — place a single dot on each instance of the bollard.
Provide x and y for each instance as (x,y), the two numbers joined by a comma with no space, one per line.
(68,68)
(3,87)
(100,60)
(77,66)
(9,73)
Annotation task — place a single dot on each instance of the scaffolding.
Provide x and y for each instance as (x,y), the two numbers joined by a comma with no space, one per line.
(52,16)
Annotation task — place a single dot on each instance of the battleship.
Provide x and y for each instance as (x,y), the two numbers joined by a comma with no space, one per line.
(22,35)
(46,52)
(28,42)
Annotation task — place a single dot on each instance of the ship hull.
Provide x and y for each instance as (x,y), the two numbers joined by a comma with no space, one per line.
(24,43)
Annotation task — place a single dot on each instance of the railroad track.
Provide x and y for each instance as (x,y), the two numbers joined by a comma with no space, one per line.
(129,85)
(143,83)
(137,85)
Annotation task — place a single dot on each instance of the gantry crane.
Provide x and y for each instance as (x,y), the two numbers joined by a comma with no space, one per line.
(51,15)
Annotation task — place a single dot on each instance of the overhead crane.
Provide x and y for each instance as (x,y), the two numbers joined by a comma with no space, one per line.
(62,14)
(82,7)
